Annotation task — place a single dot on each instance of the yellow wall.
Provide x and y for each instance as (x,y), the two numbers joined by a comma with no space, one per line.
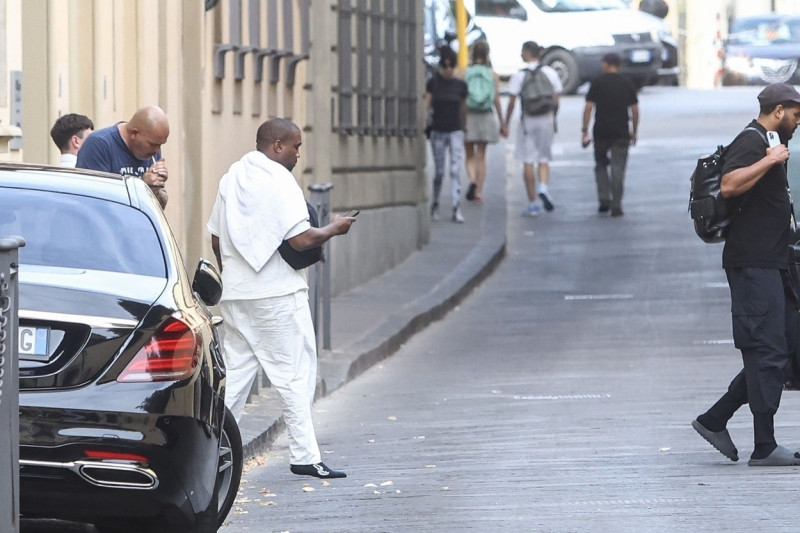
(107,58)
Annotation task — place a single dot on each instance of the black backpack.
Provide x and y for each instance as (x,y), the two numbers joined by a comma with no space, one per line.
(297,259)
(711,212)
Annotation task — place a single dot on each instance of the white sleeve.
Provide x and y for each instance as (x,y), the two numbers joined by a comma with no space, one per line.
(552,75)
(213,223)
(515,83)
(297,229)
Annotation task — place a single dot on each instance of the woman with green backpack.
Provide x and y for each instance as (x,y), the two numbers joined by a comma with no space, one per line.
(483,95)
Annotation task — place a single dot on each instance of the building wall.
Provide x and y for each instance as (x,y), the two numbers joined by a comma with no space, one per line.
(107,58)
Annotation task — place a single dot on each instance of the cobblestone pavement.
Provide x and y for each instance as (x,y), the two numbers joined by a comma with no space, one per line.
(557,397)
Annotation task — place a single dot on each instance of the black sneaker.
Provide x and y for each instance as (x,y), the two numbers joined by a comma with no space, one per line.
(471,191)
(604,208)
(547,202)
(317,470)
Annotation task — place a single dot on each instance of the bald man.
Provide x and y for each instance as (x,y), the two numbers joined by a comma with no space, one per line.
(131,148)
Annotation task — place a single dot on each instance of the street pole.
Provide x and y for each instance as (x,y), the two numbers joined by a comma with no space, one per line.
(320,274)
(9,384)
(461,32)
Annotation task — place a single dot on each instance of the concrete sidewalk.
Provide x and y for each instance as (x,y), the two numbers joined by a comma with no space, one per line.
(370,322)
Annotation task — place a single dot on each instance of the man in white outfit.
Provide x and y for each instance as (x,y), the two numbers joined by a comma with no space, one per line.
(535,133)
(264,305)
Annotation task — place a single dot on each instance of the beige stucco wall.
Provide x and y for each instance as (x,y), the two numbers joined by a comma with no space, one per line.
(106,58)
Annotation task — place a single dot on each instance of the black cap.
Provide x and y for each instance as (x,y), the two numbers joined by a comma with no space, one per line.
(612,58)
(778,93)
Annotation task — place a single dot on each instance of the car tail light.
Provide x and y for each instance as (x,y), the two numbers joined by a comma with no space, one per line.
(172,353)
(115,456)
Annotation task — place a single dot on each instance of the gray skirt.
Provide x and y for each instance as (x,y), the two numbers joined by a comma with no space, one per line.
(482,127)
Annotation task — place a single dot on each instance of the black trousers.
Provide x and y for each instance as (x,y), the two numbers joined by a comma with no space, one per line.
(764,309)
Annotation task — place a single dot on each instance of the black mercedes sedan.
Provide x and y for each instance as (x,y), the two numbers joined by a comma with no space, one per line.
(761,50)
(122,418)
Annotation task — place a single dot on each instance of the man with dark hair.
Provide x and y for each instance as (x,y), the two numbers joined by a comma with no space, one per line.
(131,148)
(68,132)
(611,96)
(756,262)
(536,132)
(264,305)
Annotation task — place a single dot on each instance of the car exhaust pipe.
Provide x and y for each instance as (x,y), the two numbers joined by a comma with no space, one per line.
(117,475)
(104,474)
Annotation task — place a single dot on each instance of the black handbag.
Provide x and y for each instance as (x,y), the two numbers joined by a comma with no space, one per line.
(300,260)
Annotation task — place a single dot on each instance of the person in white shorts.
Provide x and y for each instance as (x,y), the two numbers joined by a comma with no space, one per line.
(264,304)
(535,133)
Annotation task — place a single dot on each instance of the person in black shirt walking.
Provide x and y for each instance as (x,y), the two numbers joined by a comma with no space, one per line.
(611,96)
(756,262)
(446,97)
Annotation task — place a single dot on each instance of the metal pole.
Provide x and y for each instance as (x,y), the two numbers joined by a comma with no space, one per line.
(321,275)
(461,32)
(9,383)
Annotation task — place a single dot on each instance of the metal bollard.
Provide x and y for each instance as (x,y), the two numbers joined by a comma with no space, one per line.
(9,383)
(319,277)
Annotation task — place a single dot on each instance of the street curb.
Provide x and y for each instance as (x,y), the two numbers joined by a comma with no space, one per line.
(338,367)
(421,321)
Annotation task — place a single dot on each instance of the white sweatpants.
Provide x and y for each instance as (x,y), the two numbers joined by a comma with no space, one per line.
(278,334)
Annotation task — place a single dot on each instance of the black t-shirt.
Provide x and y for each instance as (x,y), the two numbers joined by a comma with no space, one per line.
(758,236)
(612,94)
(448,95)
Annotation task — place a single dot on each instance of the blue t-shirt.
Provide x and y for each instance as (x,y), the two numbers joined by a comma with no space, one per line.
(105,150)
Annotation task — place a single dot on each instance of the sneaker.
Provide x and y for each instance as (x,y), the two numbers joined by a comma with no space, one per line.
(616,212)
(435,212)
(458,218)
(319,470)
(604,207)
(532,210)
(547,202)
(471,191)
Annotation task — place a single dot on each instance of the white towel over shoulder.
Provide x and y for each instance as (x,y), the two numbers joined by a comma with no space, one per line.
(262,203)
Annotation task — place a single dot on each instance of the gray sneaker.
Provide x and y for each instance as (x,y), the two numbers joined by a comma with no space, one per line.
(435,212)
(458,218)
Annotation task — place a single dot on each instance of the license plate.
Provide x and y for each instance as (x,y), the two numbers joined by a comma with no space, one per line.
(34,342)
(641,56)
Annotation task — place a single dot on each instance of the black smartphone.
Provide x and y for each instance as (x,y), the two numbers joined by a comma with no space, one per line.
(352,213)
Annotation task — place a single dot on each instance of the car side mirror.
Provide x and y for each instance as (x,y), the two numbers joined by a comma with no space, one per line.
(207,283)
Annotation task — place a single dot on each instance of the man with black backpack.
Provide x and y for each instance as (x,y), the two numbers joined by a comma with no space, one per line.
(538,87)
(756,262)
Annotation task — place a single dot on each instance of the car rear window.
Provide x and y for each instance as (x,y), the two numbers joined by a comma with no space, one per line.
(66,230)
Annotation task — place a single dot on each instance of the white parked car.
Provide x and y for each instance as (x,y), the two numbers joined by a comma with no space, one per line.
(575,35)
